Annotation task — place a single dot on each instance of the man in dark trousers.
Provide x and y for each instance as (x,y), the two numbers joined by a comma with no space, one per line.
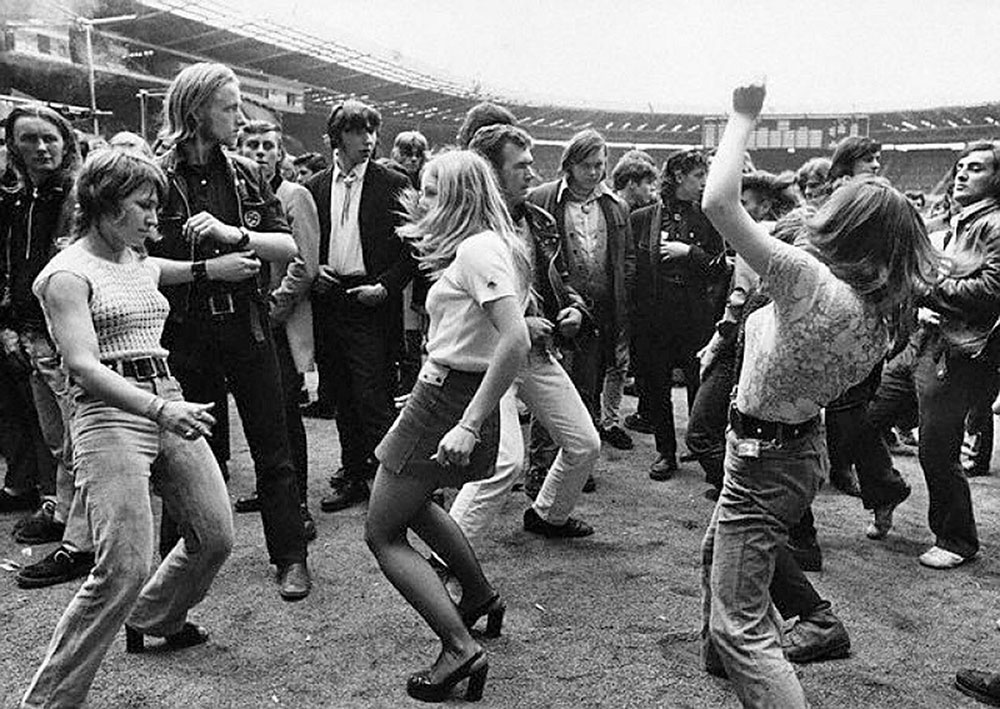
(357,296)
(682,279)
(218,333)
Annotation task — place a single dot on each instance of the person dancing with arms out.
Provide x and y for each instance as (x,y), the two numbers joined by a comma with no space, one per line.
(106,316)
(836,304)
(448,432)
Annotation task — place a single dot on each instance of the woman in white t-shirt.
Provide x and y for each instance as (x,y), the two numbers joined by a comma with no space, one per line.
(835,305)
(447,433)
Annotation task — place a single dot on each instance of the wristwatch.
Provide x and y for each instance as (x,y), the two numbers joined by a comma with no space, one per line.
(244,240)
(199,270)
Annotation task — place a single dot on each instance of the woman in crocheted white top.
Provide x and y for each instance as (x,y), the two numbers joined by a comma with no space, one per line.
(104,310)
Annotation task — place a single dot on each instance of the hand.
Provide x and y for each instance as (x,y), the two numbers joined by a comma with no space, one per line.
(205,226)
(369,295)
(749,100)
(455,447)
(539,331)
(673,249)
(325,280)
(237,266)
(706,358)
(11,344)
(187,419)
(928,316)
(569,320)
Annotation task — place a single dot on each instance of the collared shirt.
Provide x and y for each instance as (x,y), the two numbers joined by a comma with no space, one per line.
(587,245)
(346,257)
(585,218)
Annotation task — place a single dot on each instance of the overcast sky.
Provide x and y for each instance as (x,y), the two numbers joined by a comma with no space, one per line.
(832,55)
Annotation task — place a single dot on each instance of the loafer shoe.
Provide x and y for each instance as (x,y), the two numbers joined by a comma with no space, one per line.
(938,558)
(817,637)
(41,527)
(294,581)
(346,493)
(616,437)
(663,468)
(60,566)
(984,686)
(250,503)
(573,527)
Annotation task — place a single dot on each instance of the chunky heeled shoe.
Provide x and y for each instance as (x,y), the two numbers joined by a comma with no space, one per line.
(494,610)
(189,636)
(475,668)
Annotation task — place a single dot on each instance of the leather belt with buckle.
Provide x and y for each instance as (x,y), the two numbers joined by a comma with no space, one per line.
(140,368)
(749,427)
(221,304)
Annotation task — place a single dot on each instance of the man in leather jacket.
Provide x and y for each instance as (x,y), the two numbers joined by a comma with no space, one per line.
(218,334)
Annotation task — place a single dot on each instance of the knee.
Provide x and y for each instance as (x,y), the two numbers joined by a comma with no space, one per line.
(589,447)
(125,568)
(219,545)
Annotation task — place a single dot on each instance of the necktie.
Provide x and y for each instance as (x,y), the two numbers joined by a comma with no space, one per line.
(348,181)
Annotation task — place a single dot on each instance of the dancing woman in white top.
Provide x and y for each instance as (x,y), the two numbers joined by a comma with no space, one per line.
(448,432)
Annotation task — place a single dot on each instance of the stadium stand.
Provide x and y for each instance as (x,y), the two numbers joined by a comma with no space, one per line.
(294,77)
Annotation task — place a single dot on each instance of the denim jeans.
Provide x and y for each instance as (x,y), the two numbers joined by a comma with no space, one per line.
(54,403)
(545,387)
(584,361)
(614,384)
(706,433)
(946,385)
(116,455)
(761,498)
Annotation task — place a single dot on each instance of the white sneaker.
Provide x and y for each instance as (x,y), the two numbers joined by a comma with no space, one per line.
(938,558)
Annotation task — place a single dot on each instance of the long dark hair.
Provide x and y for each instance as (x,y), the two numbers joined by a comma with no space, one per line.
(17,171)
(872,238)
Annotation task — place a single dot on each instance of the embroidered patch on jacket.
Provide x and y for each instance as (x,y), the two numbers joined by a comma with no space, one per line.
(252,218)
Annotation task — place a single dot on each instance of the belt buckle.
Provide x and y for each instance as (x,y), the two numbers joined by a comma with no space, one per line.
(221,304)
(145,368)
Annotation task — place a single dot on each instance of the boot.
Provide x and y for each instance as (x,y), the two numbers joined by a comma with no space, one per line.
(817,637)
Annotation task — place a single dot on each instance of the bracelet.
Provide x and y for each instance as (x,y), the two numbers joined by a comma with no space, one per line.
(199,270)
(244,239)
(469,429)
(155,409)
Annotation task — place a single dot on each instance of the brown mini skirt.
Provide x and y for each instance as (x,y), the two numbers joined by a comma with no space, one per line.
(435,406)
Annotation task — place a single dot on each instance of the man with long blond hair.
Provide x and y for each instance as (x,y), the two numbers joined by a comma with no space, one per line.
(218,332)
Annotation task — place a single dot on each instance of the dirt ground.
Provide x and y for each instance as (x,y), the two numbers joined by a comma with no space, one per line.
(609,621)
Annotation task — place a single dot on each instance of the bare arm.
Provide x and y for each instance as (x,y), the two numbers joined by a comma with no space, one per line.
(66,299)
(234,267)
(507,317)
(721,199)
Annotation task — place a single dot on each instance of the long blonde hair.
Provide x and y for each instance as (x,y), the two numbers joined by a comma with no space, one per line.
(469,202)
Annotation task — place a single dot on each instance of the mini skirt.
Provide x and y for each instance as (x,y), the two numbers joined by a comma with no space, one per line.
(435,406)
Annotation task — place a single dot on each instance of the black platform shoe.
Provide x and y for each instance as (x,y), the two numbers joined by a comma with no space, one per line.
(494,610)
(189,636)
(475,668)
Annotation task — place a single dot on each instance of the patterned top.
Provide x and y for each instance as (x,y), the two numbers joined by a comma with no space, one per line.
(814,341)
(127,309)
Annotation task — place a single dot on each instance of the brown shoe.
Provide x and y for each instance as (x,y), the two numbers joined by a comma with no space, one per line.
(346,493)
(663,468)
(294,581)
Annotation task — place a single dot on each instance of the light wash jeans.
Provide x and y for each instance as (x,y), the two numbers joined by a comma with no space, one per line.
(545,387)
(50,390)
(761,498)
(116,453)
(614,384)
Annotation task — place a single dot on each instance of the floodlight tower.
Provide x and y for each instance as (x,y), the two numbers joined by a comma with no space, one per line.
(88,25)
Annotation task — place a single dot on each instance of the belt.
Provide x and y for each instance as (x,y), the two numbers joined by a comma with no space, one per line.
(749,427)
(140,368)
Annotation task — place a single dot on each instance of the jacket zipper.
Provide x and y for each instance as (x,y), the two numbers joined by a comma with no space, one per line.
(31,215)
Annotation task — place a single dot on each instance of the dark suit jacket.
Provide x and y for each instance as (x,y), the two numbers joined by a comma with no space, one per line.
(387,260)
